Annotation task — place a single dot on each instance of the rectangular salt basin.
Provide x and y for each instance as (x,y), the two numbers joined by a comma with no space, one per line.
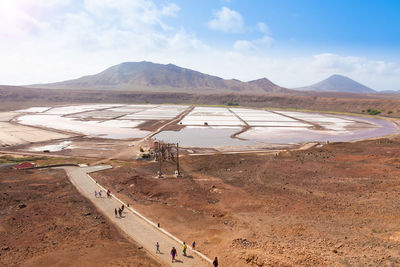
(327,119)
(266,118)
(54,148)
(76,109)
(214,123)
(287,135)
(108,129)
(203,137)
(278,123)
(205,118)
(33,110)
(96,115)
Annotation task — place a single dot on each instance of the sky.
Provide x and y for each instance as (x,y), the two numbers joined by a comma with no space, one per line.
(293,43)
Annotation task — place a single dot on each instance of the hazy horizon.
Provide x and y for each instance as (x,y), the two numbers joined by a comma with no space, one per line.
(292,43)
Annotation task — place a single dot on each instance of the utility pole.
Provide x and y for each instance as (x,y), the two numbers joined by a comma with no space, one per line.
(178,171)
(159,160)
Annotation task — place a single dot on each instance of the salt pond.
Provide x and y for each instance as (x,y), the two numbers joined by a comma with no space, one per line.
(107,129)
(203,137)
(54,148)
(206,126)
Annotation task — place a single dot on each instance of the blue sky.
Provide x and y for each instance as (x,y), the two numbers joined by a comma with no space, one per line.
(293,43)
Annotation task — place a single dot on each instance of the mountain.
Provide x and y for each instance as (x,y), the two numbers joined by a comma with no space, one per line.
(148,76)
(337,83)
(390,92)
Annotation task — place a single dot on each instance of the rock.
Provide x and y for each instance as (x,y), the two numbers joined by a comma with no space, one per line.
(22,205)
(5,248)
(87,214)
(140,247)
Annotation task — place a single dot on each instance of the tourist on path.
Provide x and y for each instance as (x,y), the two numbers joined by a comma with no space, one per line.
(95,193)
(122,207)
(173,253)
(158,248)
(194,245)
(100,193)
(184,249)
(215,262)
(116,212)
(120,212)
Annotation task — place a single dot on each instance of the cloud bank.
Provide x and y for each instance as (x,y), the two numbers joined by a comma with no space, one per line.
(47,41)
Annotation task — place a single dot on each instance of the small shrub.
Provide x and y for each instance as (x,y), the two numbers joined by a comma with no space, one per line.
(363,110)
(390,112)
(231,103)
(373,112)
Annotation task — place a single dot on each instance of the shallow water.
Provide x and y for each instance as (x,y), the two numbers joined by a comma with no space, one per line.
(203,137)
(284,135)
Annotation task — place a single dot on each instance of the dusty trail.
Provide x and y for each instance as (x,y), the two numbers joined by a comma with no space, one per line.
(132,223)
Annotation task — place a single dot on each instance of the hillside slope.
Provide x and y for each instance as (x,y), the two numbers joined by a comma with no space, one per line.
(337,83)
(148,76)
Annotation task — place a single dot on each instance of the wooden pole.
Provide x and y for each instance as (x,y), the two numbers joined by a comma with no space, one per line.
(178,171)
(159,161)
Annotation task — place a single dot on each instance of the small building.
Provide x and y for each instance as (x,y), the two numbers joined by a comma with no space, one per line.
(24,165)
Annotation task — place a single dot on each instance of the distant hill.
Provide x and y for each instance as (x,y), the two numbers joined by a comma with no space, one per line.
(337,83)
(390,92)
(148,76)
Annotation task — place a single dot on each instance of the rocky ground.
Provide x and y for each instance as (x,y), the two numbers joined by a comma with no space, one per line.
(336,205)
(45,221)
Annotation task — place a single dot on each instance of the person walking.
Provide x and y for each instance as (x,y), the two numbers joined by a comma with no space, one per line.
(116,212)
(158,248)
(173,254)
(122,207)
(194,245)
(95,193)
(120,212)
(100,193)
(184,249)
(215,262)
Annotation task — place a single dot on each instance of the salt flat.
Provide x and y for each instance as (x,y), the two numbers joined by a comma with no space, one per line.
(11,134)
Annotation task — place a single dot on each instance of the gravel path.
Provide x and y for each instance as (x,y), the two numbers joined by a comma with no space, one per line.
(132,223)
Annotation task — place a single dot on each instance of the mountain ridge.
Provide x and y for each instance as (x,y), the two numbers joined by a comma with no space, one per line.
(148,76)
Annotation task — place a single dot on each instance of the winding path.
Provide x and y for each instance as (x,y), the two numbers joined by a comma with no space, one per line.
(135,225)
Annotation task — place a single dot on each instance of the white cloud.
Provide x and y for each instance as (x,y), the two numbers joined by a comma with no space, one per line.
(243,45)
(262,27)
(60,45)
(227,20)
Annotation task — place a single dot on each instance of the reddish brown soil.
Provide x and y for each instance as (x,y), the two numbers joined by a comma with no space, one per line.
(45,221)
(337,205)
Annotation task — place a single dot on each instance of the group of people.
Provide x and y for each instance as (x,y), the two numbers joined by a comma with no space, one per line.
(97,194)
(174,253)
(119,211)
(101,192)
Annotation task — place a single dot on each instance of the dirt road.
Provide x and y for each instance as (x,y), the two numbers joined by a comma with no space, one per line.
(132,223)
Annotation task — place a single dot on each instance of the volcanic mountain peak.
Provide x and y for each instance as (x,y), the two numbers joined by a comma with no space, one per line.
(148,76)
(338,83)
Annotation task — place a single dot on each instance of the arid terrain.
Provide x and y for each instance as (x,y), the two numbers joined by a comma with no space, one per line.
(45,221)
(14,97)
(331,205)
(335,205)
